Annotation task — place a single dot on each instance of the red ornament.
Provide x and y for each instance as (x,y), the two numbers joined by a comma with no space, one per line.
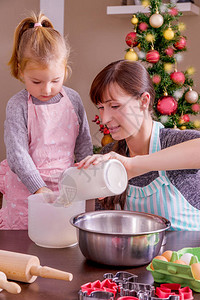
(106,131)
(167,105)
(169,51)
(131,39)
(185,118)
(181,43)
(96,118)
(153,56)
(143,26)
(196,107)
(178,77)
(173,11)
(156,79)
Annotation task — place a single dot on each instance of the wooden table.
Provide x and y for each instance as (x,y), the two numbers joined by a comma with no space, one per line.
(72,260)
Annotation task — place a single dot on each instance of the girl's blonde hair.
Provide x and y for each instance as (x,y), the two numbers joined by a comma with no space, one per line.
(36,41)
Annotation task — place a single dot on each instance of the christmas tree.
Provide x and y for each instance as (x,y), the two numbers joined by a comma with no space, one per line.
(157,39)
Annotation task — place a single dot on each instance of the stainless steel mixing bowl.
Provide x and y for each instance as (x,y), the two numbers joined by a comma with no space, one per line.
(120,238)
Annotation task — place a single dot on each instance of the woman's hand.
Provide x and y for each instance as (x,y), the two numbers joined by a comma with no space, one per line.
(43,189)
(99,158)
(171,158)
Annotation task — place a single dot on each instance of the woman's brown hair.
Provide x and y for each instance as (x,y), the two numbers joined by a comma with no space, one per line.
(133,78)
(36,40)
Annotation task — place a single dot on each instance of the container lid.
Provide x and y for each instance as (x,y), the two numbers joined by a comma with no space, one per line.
(116,176)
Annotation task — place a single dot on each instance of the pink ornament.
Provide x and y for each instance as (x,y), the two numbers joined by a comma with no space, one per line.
(173,11)
(167,105)
(181,43)
(143,26)
(178,78)
(169,51)
(156,79)
(131,39)
(196,107)
(185,118)
(153,56)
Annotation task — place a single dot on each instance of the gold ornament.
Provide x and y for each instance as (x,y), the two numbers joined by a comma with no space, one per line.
(181,121)
(106,139)
(168,34)
(131,55)
(190,71)
(145,3)
(156,20)
(168,67)
(150,37)
(181,26)
(183,127)
(134,20)
(196,124)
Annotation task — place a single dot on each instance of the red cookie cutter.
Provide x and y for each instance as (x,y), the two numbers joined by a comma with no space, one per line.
(105,285)
(167,289)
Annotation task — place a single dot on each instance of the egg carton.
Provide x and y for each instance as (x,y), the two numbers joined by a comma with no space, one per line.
(170,272)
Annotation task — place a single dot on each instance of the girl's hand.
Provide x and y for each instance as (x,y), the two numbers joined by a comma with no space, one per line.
(43,189)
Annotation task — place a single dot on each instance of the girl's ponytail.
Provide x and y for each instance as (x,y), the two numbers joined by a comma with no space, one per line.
(20,29)
(35,38)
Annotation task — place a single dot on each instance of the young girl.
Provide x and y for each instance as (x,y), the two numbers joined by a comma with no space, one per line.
(162,164)
(46,124)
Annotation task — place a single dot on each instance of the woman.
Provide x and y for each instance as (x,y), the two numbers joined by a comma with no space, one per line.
(162,164)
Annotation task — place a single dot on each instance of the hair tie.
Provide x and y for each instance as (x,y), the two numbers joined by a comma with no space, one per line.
(37,25)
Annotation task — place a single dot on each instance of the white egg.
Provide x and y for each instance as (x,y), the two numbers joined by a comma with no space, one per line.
(186,257)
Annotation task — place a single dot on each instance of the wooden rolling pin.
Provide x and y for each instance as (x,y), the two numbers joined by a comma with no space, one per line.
(10,287)
(26,268)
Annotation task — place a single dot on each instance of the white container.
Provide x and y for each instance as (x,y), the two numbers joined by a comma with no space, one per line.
(48,225)
(102,180)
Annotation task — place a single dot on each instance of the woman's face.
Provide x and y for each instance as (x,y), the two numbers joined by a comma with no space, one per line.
(121,112)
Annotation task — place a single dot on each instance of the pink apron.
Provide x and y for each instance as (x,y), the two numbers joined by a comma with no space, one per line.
(52,133)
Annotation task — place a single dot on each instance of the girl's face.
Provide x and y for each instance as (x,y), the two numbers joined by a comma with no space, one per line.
(122,113)
(44,83)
